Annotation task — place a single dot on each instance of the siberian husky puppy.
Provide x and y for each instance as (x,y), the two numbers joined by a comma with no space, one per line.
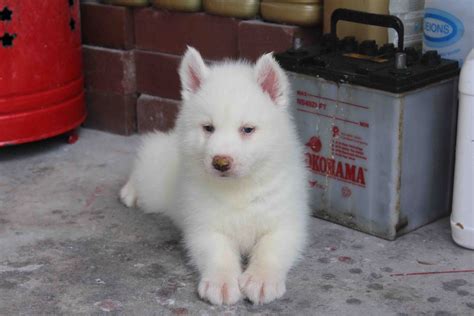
(232,177)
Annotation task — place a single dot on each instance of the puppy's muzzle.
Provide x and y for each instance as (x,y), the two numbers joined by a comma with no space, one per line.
(222,163)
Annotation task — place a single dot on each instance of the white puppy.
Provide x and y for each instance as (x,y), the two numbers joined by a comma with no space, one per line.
(232,176)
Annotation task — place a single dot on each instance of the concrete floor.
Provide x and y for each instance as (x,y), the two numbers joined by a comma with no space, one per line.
(67,246)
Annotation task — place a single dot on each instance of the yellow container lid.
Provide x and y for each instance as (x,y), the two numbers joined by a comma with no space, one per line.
(234,8)
(178,5)
(296,1)
(128,3)
(299,14)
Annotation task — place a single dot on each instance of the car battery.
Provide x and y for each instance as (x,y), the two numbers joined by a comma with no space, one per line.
(378,124)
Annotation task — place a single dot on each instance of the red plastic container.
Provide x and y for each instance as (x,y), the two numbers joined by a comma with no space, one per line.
(41,81)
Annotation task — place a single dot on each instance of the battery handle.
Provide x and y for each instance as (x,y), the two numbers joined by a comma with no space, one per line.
(382,20)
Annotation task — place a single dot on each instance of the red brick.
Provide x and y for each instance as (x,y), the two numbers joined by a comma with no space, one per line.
(257,38)
(154,113)
(111,112)
(157,74)
(170,32)
(107,25)
(109,70)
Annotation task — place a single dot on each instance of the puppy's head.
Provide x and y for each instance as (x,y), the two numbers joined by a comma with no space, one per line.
(234,115)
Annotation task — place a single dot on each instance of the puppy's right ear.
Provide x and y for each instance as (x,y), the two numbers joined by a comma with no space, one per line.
(192,72)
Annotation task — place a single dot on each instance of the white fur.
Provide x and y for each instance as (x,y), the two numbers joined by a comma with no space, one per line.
(260,209)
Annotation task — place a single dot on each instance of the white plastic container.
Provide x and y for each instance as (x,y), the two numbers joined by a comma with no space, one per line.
(448,28)
(411,13)
(462,217)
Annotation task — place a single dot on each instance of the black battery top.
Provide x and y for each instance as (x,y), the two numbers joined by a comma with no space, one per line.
(387,67)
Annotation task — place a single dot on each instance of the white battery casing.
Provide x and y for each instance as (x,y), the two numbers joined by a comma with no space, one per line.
(380,162)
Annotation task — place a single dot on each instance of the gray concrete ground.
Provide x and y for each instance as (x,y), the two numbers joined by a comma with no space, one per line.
(67,246)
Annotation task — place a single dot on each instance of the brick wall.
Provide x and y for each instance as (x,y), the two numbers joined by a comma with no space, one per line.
(131,58)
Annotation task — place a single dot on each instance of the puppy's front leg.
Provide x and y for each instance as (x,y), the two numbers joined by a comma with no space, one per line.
(272,257)
(218,261)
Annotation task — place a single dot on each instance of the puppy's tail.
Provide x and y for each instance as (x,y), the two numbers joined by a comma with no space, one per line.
(152,183)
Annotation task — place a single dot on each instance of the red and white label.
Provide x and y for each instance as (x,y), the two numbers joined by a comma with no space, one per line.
(339,150)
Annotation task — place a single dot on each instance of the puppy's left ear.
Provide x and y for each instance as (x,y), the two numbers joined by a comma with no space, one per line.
(272,79)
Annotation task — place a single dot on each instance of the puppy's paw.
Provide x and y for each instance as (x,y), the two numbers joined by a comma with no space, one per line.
(219,290)
(260,286)
(128,195)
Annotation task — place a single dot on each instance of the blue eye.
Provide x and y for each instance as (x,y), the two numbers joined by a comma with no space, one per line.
(208,128)
(247,130)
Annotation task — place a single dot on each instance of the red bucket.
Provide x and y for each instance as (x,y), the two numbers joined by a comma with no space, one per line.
(41,81)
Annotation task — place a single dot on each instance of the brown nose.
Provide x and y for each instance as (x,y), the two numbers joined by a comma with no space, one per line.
(222,163)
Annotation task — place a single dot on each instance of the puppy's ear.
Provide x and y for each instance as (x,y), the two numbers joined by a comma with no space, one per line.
(272,79)
(192,72)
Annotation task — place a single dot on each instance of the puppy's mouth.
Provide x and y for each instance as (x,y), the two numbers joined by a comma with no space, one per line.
(223,174)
